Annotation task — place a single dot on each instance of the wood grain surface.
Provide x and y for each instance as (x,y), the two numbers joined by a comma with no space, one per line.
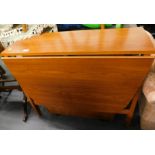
(76,72)
(82,86)
(85,42)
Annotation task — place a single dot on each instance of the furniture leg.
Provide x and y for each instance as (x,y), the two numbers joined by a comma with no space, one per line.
(132,109)
(35,107)
(25,109)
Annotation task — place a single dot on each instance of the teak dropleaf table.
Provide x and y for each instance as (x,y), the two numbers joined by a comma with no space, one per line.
(83,73)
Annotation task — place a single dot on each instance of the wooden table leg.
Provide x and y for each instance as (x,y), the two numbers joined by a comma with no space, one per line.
(31,102)
(35,107)
(132,109)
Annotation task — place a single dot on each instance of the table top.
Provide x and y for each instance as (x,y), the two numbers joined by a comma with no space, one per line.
(85,42)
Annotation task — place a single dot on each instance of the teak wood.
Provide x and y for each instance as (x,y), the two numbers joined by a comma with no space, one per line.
(81,72)
(84,86)
(85,42)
